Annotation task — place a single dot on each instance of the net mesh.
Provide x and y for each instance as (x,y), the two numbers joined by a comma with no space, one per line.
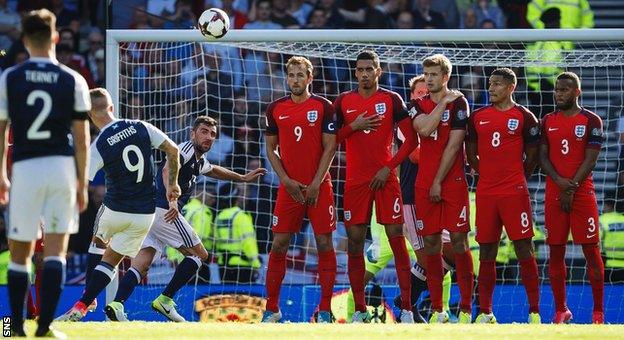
(169,84)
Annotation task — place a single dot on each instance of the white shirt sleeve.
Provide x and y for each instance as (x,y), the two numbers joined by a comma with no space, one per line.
(4,104)
(82,100)
(157,137)
(95,161)
(186,152)
(206,168)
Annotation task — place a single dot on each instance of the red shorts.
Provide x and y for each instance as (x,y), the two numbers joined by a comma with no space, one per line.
(39,246)
(359,198)
(514,212)
(582,220)
(452,213)
(288,214)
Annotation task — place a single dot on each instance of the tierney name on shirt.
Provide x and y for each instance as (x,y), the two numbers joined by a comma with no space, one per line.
(42,77)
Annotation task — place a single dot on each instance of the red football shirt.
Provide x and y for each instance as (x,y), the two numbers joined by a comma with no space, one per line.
(368,151)
(501,137)
(567,138)
(300,128)
(432,147)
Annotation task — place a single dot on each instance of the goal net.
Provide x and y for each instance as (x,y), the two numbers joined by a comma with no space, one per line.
(169,83)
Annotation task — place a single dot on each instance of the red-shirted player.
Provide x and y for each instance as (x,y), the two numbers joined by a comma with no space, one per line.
(501,147)
(302,125)
(371,176)
(441,191)
(571,140)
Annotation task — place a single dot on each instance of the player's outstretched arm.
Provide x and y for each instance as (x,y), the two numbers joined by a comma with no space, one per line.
(426,124)
(455,142)
(4,180)
(293,187)
(173,167)
(82,138)
(329,150)
(220,172)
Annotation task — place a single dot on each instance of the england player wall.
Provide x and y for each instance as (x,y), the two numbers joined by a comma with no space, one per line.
(299,307)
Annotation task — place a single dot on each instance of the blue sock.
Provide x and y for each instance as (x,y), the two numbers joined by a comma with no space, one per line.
(127,284)
(93,259)
(185,271)
(17,278)
(53,280)
(102,275)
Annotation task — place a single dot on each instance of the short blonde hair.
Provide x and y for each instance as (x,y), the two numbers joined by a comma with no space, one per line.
(100,93)
(300,61)
(439,60)
(415,80)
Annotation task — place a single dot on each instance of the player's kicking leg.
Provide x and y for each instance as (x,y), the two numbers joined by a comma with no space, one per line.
(138,269)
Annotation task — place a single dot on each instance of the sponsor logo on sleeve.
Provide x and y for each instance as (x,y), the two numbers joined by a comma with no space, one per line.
(597,132)
(413,112)
(461,115)
(534,131)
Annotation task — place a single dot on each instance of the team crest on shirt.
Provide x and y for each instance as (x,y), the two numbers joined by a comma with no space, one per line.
(275,220)
(312,116)
(579,131)
(446,115)
(512,124)
(380,108)
(347,215)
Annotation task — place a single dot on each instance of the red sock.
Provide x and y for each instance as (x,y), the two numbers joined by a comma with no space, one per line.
(530,279)
(465,279)
(487,281)
(327,277)
(595,271)
(557,274)
(434,280)
(356,279)
(275,274)
(402,264)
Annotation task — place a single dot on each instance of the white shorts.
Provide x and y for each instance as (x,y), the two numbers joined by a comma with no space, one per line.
(43,189)
(409,228)
(177,234)
(125,231)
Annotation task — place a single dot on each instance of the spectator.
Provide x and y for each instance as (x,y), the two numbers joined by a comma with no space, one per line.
(334,19)
(405,20)
(574,13)
(65,17)
(241,6)
(318,19)
(488,24)
(183,16)
(474,91)
(96,43)
(238,19)
(100,73)
(353,12)
(10,26)
(123,13)
(469,21)
(15,55)
(140,19)
(236,246)
(369,15)
(515,12)
(449,10)
(66,56)
(486,11)
(300,10)
(262,20)
(161,7)
(280,15)
(424,17)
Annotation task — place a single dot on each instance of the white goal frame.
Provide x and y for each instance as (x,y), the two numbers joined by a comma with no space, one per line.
(114,37)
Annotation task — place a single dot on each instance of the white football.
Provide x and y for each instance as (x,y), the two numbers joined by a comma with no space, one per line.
(214,23)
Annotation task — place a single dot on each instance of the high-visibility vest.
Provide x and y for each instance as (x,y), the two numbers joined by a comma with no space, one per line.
(235,238)
(574,13)
(4,266)
(612,224)
(200,217)
(545,52)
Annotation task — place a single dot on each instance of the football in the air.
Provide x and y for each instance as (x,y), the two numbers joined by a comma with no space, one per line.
(214,23)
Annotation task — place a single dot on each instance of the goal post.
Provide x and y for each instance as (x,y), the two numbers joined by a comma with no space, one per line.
(168,77)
